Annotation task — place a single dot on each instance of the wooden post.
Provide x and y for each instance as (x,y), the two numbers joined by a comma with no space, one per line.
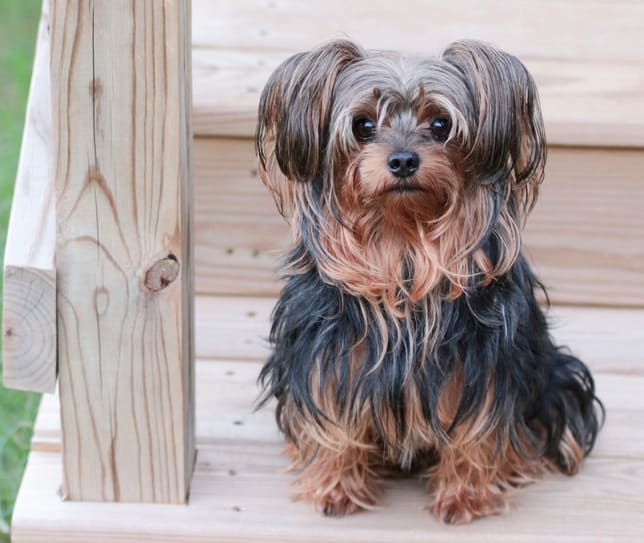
(121,98)
(29,297)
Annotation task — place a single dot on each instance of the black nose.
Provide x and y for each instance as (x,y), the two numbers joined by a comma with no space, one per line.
(403,163)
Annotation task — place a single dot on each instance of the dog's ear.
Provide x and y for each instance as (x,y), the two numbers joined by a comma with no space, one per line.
(295,106)
(506,143)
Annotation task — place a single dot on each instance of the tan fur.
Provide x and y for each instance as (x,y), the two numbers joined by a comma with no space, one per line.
(478,468)
(340,466)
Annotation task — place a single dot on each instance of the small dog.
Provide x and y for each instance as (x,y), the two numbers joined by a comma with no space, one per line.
(407,334)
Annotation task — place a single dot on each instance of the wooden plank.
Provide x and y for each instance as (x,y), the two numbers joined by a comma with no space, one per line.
(238,231)
(227,391)
(610,340)
(121,105)
(29,298)
(241,494)
(585,102)
(576,29)
(232,327)
(586,235)
(229,504)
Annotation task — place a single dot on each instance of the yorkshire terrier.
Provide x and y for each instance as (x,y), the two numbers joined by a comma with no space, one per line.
(408,334)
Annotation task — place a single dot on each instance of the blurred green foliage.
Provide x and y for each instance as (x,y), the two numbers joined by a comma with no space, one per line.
(18,29)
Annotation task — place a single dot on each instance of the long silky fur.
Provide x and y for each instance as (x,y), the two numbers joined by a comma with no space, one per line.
(495,338)
(404,340)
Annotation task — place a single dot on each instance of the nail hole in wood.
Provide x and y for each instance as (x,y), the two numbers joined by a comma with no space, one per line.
(162,273)
(230,372)
(232,472)
(238,423)
(236,508)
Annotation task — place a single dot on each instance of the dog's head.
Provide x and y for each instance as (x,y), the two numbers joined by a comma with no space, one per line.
(397,172)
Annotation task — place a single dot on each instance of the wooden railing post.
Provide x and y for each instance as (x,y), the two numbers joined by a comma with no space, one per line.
(121,100)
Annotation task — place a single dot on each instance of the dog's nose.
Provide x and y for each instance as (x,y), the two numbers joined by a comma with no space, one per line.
(403,163)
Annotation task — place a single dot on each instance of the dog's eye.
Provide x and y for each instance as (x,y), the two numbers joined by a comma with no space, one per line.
(364,129)
(440,128)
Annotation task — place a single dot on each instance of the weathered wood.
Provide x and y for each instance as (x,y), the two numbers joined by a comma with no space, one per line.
(122,137)
(240,493)
(586,234)
(29,298)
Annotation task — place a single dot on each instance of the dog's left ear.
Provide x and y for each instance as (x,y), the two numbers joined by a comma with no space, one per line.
(506,143)
(295,107)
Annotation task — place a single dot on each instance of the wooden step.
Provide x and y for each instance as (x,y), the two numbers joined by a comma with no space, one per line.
(240,494)
(585,236)
(586,56)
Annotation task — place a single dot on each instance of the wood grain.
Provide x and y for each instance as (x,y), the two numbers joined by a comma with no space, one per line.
(121,104)
(585,236)
(29,297)
(584,102)
(240,493)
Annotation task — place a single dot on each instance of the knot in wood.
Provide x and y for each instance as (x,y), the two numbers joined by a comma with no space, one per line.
(162,273)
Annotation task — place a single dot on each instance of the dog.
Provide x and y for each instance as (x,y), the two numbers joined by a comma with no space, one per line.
(408,334)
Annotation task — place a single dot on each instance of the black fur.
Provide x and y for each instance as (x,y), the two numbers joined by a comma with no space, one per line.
(495,335)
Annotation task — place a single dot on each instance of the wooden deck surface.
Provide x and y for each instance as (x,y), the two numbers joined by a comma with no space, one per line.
(239,493)
(586,237)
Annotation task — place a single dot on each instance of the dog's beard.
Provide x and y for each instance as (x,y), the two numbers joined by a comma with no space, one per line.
(398,247)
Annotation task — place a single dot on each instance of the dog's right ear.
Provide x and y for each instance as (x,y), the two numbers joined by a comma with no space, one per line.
(295,106)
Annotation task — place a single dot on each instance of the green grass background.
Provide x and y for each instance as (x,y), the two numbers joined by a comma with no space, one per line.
(18,28)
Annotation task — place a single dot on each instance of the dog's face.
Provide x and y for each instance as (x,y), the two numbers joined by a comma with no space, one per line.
(396,141)
(396,171)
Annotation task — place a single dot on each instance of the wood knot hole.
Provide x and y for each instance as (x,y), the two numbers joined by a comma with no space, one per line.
(162,273)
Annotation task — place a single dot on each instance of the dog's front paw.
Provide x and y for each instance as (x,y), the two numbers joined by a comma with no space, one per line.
(465,507)
(337,503)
